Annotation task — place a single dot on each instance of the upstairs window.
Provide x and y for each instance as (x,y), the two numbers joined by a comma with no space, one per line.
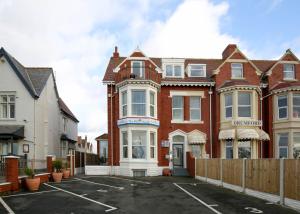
(244,104)
(197,70)
(296,105)
(228,105)
(236,70)
(124,103)
(138,68)
(177,107)
(7,106)
(282,102)
(173,70)
(289,71)
(195,104)
(138,102)
(283,145)
(152,104)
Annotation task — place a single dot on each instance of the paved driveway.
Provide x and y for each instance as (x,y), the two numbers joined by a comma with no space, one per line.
(104,194)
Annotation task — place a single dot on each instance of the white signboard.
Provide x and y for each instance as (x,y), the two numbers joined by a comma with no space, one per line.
(247,123)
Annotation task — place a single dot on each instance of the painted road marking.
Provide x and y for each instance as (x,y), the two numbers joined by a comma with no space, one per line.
(111,208)
(213,205)
(31,193)
(101,190)
(9,210)
(116,187)
(126,179)
(197,199)
(84,194)
(133,185)
(253,210)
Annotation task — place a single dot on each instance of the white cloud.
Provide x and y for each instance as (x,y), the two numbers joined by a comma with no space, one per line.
(193,30)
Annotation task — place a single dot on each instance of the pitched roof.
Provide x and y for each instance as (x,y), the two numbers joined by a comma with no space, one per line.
(281,85)
(230,83)
(39,77)
(64,108)
(102,137)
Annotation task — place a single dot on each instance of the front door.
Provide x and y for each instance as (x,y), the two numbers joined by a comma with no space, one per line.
(178,155)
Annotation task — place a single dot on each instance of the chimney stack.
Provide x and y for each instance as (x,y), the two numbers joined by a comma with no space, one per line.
(116,53)
(229,50)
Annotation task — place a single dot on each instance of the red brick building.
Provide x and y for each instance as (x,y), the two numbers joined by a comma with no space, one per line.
(232,107)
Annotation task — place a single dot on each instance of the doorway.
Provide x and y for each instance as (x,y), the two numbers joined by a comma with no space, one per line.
(178,155)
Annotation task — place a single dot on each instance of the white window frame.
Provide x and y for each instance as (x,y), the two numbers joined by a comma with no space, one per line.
(286,107)
(173,70)
(284,147)
(153,146)
(298,106)
(229,106)
(152,105)
(145,103)
(287,71)
(240,146)
(250,105)
(203,69)
(8,104)
(295,143)
(124,104)
(142,70)
(142,145)
(242,71)
(199,109)
(182,109)
(226,146)
(123,145)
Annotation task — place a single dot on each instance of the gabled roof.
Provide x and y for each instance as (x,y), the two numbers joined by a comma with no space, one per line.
(102,137)
(64,108)
(39,77)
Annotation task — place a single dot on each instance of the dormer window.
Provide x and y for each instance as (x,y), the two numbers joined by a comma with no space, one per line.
(173,70)
(138,68)
(288,71)
(236,70)
(197,70)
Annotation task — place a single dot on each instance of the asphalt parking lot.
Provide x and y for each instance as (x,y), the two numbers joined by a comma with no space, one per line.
(104,194)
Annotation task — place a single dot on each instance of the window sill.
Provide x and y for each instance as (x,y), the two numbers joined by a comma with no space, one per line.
(188,121)
(238,78)
(290,80)
(7,119)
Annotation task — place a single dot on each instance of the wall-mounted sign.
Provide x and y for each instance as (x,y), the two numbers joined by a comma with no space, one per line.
(165,144)
(138,121)
(247,123)
(25,148)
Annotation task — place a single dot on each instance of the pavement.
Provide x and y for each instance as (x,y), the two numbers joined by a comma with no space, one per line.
(105,194)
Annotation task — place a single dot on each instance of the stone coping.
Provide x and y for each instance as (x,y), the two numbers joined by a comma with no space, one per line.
(12,156)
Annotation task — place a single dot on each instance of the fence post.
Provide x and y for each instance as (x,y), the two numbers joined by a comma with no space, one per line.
(205,169)
(281,181)
(221,171)
(244,175)
(49,163)
(12,171)
(195,167)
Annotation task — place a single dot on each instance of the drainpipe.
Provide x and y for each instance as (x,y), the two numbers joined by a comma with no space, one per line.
(210,122)
(261,145)
(111,127)
(34,132)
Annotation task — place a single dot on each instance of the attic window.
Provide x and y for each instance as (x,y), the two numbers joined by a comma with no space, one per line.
(236,70)
(288,71)
(137,68)
(197,70)
(173,70)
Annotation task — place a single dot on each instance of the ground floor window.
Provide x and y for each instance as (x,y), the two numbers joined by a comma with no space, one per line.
(139,141)
(244,149)
(152,145)
(283,148)
(196,151)
(229,149)
(125,144)
(64,148)
(296,145)
(8,148)
(103,151)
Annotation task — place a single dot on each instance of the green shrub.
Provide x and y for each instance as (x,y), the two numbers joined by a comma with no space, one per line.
(29,172)
(57,165)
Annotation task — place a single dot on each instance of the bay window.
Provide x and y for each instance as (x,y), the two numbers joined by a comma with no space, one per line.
(138,68)
(7,106)
(124,103)
(228,105)
(288,71)
(138,102)
(244,149)
(229,149)
(296,145)
(195,108)
(283,142)
(236,70)
(296,105)
(139,142)
(244,104)
(282,103)
(177,108)
(197,70)
(152,104)
(196,150)
(125,144)
(152,145)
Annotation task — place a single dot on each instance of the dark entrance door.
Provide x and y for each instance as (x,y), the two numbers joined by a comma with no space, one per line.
(178,155)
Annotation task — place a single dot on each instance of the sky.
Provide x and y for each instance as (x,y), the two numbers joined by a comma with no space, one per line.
(77,38)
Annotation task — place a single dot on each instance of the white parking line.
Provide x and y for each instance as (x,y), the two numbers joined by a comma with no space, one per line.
(126,179)
(9,210)
(116,187)
(197,199)
(31,193)
(111,208)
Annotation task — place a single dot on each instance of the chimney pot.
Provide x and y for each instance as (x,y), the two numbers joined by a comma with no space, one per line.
(116,53)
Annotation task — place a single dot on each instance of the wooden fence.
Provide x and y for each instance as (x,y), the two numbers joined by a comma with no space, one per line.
(273,176)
